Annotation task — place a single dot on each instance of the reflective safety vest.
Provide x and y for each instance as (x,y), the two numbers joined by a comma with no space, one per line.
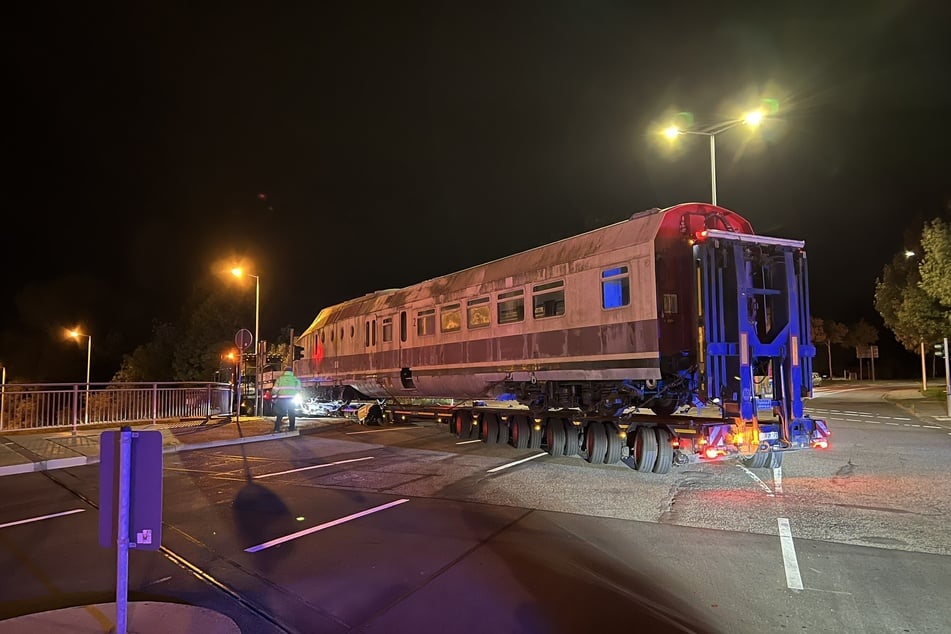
(286,386)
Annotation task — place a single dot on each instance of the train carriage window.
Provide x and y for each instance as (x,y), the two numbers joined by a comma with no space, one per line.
(426,322)
(403,326)
(548,300)
(366,335)
(387,329)
(373,333)
(511,307)
(477,313)
(615,287)
(450,318)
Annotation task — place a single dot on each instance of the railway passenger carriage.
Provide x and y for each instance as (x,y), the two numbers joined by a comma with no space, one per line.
(588,332)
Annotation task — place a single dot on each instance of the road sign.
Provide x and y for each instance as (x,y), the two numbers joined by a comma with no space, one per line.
(145,490)
(243,338)
(866,352)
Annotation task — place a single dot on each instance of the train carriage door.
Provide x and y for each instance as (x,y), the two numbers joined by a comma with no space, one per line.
(402,358)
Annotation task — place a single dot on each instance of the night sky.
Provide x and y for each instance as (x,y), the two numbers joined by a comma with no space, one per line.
(398,141)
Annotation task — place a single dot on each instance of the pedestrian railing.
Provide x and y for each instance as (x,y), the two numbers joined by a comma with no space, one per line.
(57,405)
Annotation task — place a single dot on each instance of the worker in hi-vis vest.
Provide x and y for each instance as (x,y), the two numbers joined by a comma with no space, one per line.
(286,388)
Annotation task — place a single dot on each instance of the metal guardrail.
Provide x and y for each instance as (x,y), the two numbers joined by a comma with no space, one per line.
(30,406)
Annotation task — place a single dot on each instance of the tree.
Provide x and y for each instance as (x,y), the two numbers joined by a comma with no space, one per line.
(861,335)
(902,298)
(828,332)
(151,361)
(935,267)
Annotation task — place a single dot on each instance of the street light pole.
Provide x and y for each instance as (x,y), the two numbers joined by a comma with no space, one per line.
(751,118)
(75,334)
(257,346)
(238,272)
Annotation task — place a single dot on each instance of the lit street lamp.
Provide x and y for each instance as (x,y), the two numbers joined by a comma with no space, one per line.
(238,272)
(75,334)
(751,119)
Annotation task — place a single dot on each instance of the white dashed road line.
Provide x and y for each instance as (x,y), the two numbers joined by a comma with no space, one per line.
(314,529)
(316,466)
(790,562)
(517,462)
(41,517)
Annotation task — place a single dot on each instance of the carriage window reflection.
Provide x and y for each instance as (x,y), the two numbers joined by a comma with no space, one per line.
(477,313)
(615,287)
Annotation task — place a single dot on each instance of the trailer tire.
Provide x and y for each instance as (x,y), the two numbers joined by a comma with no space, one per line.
(596,443)
(572,438)
(645,449)
(535,436)
(490,429)
(521,432)
(462,424)
(555,437)
(757,460)
(613,454)
(665,452)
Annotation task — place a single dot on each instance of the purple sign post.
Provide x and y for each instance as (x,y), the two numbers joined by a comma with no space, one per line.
(130,501)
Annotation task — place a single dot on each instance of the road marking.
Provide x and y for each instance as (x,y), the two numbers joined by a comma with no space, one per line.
(41,517)
(517,462)
(756,478)
(468,442)
(316,466)
(377,431)
(790,563)
(330,524)
(894,424)
(932,427)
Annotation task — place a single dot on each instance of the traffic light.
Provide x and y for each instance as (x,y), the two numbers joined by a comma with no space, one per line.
(939,350)
(298,353)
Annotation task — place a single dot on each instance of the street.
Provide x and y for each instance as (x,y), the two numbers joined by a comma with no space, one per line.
(409,529)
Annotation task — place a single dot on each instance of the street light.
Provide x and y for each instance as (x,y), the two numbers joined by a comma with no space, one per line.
(752,119)
(75,334)
(238,272)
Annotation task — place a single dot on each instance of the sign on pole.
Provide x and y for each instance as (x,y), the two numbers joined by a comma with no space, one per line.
(145,489)
(243,339)
(130,502)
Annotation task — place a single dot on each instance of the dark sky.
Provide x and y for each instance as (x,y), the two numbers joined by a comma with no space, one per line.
(397,141)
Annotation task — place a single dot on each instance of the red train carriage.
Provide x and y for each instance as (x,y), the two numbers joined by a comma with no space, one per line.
(669,310)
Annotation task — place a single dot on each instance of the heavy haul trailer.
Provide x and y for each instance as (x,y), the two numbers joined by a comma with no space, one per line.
(690,309)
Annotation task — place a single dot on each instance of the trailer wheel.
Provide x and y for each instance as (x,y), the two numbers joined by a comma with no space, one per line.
(757,460)
(555,437)
(462,424)
(490,429)
(521,432)
(572,438)
(645,449)
(505,430)
(534,436)
(613,454)
(665,452)
(596,443)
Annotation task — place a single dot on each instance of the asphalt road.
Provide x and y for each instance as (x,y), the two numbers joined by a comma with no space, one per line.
(407,529)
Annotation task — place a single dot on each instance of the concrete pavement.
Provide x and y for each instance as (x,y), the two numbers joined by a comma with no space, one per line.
(24,452)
